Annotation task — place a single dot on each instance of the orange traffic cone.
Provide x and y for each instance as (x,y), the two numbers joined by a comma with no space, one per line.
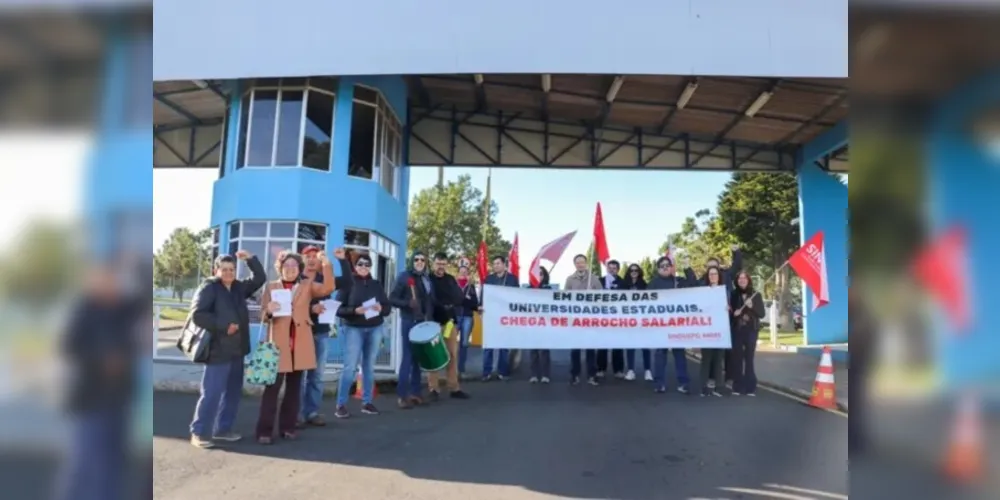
(824,389)
(963,461)
(359,392)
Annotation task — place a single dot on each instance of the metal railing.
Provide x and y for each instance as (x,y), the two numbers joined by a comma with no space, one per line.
(169,319)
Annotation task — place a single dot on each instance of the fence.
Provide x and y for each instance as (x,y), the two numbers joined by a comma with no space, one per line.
(169,319)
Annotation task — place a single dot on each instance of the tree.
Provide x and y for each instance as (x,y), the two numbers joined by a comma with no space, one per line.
(42,265)
(595,265)
(757,209)
(449,219)
(701,238)
(181,261)
(648,266)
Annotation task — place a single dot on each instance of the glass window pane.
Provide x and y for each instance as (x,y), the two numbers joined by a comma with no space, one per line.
(289,126)
(357,238)
(319,131)
(360,161)
(326,83)
(379,139)
(300,246)
(265,107)
(255,247)
(293,82)
(365,94)
(241,152)
(215,236)
(388,178)
(282,229)
(313,232)
(254,229)
(234,230)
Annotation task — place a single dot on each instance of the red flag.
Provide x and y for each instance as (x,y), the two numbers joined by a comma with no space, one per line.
(482,261)
(942,269)
(514,260)
(809,262)
(600,238)
(552,252)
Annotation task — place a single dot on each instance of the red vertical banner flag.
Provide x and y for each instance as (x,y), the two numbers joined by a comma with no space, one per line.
(809,262)
(942,269)
(600,237)
(552,252)
(514,259)
(482,261)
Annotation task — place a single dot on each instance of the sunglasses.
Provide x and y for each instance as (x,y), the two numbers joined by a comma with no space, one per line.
(363,264)
(419,259)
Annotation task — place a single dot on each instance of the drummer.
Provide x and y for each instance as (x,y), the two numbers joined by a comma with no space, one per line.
(413,296)
(448,299)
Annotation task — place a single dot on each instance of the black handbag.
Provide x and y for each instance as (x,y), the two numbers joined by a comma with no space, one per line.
(194,342)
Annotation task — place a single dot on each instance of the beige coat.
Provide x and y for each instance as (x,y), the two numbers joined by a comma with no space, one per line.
(279,329)
(586,281)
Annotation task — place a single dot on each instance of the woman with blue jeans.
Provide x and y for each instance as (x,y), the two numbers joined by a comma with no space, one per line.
(466,316)
(363,308)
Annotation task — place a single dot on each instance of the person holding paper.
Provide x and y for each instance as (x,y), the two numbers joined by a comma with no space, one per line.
(466,315)
(220,306)
(413,295)
(583,279)
(363,308)
(447,299)
(312,391)
(289,327)
(748,310)
(666,279)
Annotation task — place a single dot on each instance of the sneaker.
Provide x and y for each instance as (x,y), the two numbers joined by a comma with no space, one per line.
(683,389)
(369,409)
(716,394)
(751,394)
(660,390)
(533,380)
(648,376)
(619,375)
(404,404)
(229,437)
(316,421)
(459,395)
(600,374)
(575,381)
(503,378)
(488,377)
(630,375)
(736,393)
(545,380)
(593,381)
(200,442)
(434,396)
(711,384)
(342,412)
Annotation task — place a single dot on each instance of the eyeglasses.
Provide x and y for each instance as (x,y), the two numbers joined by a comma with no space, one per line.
(363,264)
(419,259)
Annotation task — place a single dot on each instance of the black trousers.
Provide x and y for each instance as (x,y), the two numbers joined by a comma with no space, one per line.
(617,360)
(288,414)
(590,357)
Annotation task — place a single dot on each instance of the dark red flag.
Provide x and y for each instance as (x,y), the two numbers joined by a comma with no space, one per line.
(482,261)
(942,269)
(809,262)
(551,252)
(514,260)
(600,237)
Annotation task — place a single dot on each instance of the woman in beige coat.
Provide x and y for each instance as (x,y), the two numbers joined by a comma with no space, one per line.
(292,335)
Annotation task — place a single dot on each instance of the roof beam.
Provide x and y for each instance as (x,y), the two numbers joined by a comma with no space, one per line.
(480,91)
(784,141)
(177,109)
(614,86)
(751,110)
(422,94)
(682,101)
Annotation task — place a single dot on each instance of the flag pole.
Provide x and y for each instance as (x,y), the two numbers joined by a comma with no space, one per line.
(486,206)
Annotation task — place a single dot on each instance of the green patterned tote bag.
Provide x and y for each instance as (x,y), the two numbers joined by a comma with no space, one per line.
(262,368)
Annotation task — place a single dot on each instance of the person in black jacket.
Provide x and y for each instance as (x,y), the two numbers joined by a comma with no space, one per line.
(541,359)
(748,310)
(413,295)
(220,306)
(727,280)
(447,301)
(611,281)
(466,315)
(666,279)
(635,280)
(363,308)
(711,359)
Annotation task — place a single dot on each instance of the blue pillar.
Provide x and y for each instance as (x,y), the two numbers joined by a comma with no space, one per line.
(823,207)
(964,186)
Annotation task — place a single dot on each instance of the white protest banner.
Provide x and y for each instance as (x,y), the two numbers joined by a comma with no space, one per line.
(522,318)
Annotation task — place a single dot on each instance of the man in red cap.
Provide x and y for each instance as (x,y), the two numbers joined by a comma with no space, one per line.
(312,393)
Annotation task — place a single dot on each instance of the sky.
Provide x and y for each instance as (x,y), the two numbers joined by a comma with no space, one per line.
(640,208)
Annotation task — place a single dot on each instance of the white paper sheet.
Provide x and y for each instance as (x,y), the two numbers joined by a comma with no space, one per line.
(369,306)
(329,315)
(284,300)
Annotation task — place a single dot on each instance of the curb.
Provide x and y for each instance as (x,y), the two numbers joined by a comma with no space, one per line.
(783,389)
(194,387)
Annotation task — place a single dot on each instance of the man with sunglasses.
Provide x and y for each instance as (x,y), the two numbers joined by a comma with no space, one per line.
(666,279)
(413,295)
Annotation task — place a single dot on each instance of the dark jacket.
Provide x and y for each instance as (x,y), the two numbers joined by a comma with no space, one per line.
(728,273)
(639,284)
(748,321)
(343,281)
(660,283)
(360,291)
(447,298)
(470,300)
(617,283)
(402,294)
(214,308)
(506,280)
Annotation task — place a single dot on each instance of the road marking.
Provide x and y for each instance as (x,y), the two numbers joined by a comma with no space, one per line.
(806,491)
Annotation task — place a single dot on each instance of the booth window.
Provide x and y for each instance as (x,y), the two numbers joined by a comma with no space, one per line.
(287,123)
(267,239)
(376,139)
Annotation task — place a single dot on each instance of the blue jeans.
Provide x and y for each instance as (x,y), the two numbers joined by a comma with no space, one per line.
(221,390)
(97,458)
(502,368)
(312,382)
(409,370)
(362,343)
(680,364)
(630,357)
(465,324)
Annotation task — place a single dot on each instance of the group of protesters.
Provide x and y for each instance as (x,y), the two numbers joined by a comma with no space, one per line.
(425,291)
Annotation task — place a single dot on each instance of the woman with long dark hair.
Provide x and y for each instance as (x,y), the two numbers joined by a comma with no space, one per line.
(635,280)
(541,359)
(748,310)
(712,359)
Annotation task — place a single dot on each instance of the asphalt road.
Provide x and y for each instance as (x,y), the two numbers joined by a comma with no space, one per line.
(514,441)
